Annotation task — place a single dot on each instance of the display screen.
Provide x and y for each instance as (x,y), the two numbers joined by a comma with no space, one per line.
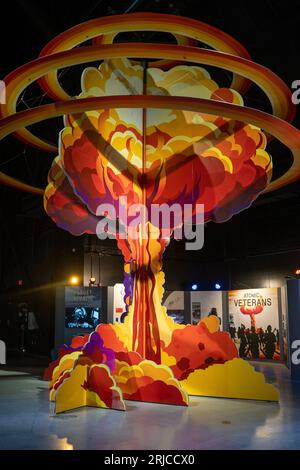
(178,316)
(83,307)
(82,317)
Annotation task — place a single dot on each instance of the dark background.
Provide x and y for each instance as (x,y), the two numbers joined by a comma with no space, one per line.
(257,248)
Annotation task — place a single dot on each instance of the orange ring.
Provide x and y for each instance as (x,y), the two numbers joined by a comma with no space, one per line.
(16,82)
(282,130)
(173,24)
(233,57)
(162,64)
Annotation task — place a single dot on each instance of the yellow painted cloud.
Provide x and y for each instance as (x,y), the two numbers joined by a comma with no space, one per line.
(233,379)
(66,363)
(82,389)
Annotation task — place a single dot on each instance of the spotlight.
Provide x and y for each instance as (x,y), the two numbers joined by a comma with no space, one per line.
(74,280)
(217,286)
(297,272)
(194,286)
(92,281)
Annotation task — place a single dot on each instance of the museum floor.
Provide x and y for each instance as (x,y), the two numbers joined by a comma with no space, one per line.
(208,423)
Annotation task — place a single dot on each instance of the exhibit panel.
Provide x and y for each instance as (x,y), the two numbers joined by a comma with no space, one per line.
(174,303)
(284,326)
(83,307)
(78,310)
(205,303)
(119,306)
(254,323)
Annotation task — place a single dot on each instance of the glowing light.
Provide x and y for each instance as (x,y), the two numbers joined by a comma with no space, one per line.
(74,280)
(217,286)
(194,286)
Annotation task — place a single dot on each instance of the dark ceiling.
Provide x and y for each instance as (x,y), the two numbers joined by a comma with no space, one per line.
(268,29)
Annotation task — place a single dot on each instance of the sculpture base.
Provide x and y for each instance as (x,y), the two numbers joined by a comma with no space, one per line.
(101,371)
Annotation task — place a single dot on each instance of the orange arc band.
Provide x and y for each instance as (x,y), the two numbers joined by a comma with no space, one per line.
(280,129)
(158,22)
(276,90)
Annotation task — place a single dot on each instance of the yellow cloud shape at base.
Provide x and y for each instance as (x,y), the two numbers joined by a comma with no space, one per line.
(66,363)
(71,393)
(233,379)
